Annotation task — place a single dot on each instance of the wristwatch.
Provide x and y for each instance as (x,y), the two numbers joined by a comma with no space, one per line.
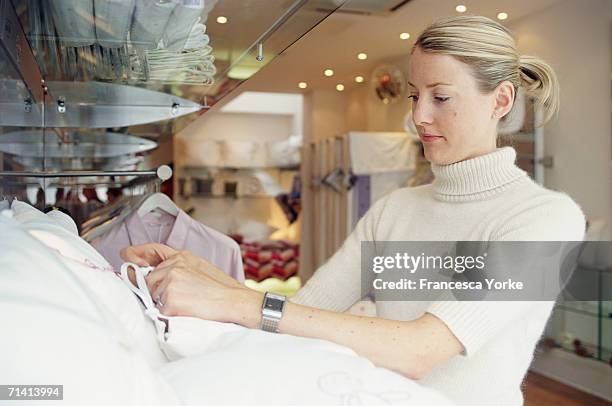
(272,311)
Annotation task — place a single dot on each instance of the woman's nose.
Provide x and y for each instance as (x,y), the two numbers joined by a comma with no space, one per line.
(421,113)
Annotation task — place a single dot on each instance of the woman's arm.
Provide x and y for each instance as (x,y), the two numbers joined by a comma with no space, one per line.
(411,348)
(190,286)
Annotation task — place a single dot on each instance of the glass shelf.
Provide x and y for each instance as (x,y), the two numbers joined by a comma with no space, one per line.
(175,47)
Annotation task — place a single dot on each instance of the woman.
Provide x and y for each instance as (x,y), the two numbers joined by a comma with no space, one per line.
(464,73)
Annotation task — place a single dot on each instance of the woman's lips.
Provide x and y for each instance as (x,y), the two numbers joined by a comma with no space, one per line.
(430,137)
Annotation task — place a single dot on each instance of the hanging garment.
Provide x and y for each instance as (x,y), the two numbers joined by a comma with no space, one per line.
(181,233)
(381,152)
(113,21)
(150,19)
(183,18)
(74,21)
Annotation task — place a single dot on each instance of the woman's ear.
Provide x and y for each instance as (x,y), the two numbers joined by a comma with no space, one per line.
(504,99)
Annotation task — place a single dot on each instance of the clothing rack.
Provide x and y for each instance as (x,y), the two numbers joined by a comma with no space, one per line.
(164,172)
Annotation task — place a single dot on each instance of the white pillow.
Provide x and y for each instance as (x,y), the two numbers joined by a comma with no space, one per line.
(56,332)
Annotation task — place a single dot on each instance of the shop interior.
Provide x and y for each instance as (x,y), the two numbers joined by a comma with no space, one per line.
(277,126)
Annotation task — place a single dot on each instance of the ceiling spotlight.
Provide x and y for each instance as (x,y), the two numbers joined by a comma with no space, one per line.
(359,79)
(221,20)
(502,16)
(362,56)
(461,8)
(328,72)
(302,85)
(404,35)
(339,87)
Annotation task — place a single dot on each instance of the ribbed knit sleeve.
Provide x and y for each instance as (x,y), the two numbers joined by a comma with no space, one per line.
(337,284)
(549,216)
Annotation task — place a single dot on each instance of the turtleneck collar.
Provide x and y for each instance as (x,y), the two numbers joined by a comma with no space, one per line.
(477,178)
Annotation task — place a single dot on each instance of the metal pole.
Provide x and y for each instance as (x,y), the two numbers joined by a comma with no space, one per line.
(164,172)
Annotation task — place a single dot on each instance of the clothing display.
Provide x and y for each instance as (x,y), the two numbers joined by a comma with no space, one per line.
(113,21)
(72,316)
(60,328)
(263,260)
(182,20)
(381,152)
(181,233)
(487,198)
(80,258)
(291,202)
(150,20)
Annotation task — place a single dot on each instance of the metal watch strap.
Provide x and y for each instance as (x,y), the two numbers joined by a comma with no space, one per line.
(269,325)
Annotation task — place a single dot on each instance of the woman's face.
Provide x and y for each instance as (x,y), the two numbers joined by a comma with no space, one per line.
(454,119)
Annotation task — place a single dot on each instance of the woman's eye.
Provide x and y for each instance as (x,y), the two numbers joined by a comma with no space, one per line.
(442,99)
(413,97)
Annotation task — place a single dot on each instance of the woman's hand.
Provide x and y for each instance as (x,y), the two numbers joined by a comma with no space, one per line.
(147,254)
(185,285)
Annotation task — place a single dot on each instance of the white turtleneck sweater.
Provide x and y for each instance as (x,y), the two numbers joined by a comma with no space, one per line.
(487,198)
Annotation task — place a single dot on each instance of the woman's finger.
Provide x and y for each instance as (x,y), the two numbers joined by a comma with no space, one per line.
(156,276)
(158,292)
(147,254)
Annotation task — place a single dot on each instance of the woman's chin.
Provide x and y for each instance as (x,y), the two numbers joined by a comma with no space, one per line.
(435,156)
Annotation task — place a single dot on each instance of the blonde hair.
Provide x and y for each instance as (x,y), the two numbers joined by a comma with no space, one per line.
(490,50)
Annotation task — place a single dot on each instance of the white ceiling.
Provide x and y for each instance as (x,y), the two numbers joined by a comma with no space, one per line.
(336,42)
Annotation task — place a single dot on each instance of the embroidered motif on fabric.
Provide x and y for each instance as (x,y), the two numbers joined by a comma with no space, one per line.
(351,392)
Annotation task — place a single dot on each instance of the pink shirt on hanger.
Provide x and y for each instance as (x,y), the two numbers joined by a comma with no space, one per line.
(181,233)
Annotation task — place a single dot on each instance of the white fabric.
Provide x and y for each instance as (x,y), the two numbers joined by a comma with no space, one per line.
(323,373)
(253,231)
(310,372)
(150,20)
(178,336)
(182,20)
(244,154)
(64,220)
(198,152)
(113,21)
(486,198)
(95,272)
(56,331)
(379,152)
(285,152)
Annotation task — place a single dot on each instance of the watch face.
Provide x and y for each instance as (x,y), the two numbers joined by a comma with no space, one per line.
(274,304)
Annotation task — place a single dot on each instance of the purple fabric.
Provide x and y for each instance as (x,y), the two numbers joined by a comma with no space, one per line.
(182,233)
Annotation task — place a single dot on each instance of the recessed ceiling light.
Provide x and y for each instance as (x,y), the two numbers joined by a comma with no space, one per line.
(302,85)
(461,8)
(362,56)
(328,72)
(404,35)
(221,19)
(359,79)
(339,87)
(502,16)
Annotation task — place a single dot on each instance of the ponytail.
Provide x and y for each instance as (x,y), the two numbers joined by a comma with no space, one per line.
(539,80)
